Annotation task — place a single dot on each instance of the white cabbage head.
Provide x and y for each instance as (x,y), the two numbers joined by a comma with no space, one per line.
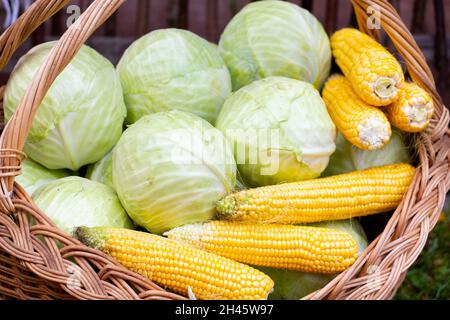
(101,171)
(170,168)
(275,38)
(349,158)
(173,69)
(34,175)
(74,201)
(81,116)
(280,129)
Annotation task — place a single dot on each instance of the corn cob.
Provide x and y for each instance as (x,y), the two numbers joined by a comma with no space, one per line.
(362,125)
(372,70)
(413,109)
(301,248)
(344,196)
(176,266)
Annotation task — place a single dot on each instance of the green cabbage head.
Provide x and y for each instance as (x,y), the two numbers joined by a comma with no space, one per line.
(170,168)
(101,171)
(348,158)
(81,116)
(74,201)
(34,175)
(280,129)
(275,38)
(173,69)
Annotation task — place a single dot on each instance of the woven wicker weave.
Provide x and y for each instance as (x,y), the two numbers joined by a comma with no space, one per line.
(38,261)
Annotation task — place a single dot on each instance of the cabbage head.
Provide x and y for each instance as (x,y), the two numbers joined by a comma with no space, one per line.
(74,201)
(275,38)
(293,285)
(101,171)
(173,69)
(170,168)
(81,116)
(34,175)
(280,130)
(348,158)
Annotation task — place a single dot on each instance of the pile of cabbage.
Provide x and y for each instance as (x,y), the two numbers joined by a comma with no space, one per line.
(180,122)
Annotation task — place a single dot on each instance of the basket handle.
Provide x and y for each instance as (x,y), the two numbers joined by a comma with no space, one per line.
(39,12)
(349,283)
(16,130)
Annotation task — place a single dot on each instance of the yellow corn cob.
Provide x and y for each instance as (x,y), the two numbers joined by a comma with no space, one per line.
(441,217)
(372,70)
(301,248)
(413,109)
(344,196)
(178,267)
(362,125)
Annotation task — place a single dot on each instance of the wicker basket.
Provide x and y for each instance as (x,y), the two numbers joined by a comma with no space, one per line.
(39,261)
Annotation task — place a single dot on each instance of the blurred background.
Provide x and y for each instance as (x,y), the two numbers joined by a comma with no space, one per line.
(429,20)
